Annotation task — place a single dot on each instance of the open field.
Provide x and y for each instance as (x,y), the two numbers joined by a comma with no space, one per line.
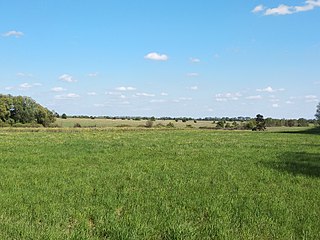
(104,123)
(159,184)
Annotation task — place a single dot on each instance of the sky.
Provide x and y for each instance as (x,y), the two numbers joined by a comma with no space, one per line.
(163,58)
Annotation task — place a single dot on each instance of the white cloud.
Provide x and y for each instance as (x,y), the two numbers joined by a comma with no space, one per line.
(275,105)
(9,88)
(67,78)
(289,102)
(156,56)
(58,89)
(283,9)
(194,88)
(112,93)
(192,74)
(24,74)
(67,96)
(270,90)
(145,95)
(224,97)
(164,94)
(157,101)
(25,86)
(92,93)
(125,88)
(267,89)
(95,74)
(311,98)
(13,34)
(194,60)
(256,97)
(258,8)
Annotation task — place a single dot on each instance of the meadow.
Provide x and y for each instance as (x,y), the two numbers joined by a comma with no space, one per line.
(159,184)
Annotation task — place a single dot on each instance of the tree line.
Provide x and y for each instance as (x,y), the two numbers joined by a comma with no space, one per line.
(23,110)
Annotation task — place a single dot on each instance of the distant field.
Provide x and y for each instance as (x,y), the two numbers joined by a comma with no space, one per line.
(84,122)
(159,184)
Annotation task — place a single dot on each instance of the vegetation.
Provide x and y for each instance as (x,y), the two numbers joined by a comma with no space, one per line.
(317,115)
(260,123)
(23,110)
(159,184)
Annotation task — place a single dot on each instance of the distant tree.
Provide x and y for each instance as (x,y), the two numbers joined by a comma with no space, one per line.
(317,115)
(64,116)
(290,123)
(260,123)
(303,122)
(152,118)
(220,124)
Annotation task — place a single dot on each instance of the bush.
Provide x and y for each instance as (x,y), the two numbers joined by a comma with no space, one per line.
(170,125)
(77,125)
(149,124)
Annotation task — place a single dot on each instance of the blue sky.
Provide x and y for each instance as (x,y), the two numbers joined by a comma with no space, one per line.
(163,58)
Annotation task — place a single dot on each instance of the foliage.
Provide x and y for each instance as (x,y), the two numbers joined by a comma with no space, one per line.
(23,110)
(64,116)
(317,115)
(158,184)
(220,124)
(260,123)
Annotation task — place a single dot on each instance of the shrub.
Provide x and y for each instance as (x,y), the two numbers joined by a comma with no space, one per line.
(77,125)
(149,124)
(170,125)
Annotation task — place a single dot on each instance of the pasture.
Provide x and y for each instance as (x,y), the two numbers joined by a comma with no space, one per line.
(159,184)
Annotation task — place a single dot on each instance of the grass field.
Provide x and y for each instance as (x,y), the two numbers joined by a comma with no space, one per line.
(159,184)
(105,123)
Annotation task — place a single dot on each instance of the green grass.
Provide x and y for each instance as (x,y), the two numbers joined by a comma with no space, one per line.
(159,184)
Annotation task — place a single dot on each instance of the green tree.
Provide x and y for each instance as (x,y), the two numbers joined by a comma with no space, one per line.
(64,116)
(317,115)
(5,106)
(260,123)
(23,110)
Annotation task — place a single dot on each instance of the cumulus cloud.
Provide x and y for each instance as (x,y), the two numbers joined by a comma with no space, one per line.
(13,33)
(270,90)
(25,86)
(156,56)
(125,88)
(224,97)
(283,9)
(58,89)
(67,78)
(164,94)
(258,8)
(92,93)
(67,96)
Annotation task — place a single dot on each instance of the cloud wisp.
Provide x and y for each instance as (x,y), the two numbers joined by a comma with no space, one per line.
(13,33)
(283,9)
